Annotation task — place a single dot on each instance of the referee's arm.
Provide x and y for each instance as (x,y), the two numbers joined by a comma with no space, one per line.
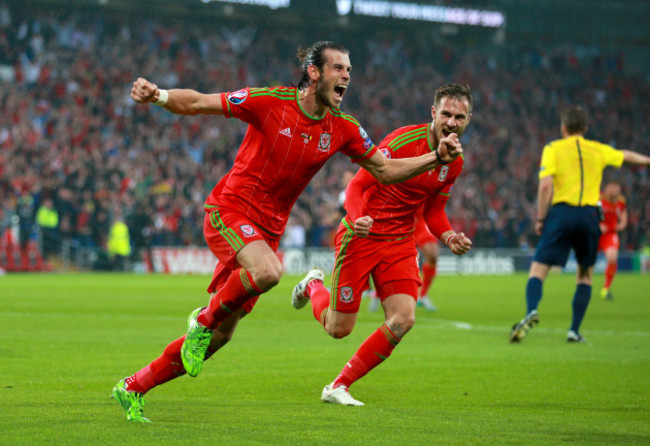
(635,158)
(544,196)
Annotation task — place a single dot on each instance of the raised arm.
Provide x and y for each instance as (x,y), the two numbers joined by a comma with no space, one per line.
(391,171)
(636,158)
(179,101)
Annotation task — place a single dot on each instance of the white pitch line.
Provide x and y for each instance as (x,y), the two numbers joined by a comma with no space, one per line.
(462,325)
(491,328)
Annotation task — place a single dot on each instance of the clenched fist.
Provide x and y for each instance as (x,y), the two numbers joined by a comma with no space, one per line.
(362,226)
(449,148)
(144,91)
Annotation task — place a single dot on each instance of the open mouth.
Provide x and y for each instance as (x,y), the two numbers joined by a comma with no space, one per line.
(447,132)
(339,91)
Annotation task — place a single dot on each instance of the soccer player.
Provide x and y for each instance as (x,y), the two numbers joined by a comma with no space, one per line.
(615,220)
(376,239)
(292,132)
(427,245)
(567,216)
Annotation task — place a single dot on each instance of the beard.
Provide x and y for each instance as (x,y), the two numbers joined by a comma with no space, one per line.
(322,95)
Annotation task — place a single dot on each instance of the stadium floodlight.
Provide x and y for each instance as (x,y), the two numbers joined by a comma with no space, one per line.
(273,4)
(428,13)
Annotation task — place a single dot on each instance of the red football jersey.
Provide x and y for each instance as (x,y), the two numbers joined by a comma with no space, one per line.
(393,207)
(283,149)
(612,212)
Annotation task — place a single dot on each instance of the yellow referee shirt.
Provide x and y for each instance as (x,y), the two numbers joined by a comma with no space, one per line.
(577,165)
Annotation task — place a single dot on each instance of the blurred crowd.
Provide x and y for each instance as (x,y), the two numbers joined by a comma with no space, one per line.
(72,139)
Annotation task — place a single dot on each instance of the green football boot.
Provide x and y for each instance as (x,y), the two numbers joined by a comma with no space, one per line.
(196,344)
(132,402)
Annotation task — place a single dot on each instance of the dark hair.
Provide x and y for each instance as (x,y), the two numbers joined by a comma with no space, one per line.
(454,91)
(315,55)
(574,119)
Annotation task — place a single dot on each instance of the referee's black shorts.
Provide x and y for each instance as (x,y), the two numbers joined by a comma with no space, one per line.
(569,227)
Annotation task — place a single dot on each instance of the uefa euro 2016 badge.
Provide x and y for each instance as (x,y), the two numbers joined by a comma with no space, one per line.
(324,143)
(237,97)
(346,294)
(363,133)
(248,230)
(386,152)
(367,142)
(444,170)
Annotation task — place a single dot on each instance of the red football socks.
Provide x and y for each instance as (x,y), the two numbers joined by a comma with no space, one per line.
(610,272)
(320,298)
(428,274)
(165,368)
(230,298)
(372,352)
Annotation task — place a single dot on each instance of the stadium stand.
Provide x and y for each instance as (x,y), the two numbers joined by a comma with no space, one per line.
(69,131)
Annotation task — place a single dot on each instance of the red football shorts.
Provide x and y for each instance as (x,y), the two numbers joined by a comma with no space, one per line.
(422,233)
(226,233)
(608,240)
(393,265)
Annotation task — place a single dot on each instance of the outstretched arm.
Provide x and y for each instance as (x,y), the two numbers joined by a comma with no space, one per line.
(635,158)
(391,171)
(179,101)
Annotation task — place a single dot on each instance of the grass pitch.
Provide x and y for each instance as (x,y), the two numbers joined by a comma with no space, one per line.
(454,380)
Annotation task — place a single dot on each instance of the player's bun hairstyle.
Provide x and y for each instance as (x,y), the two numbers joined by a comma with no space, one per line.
(574,119)
(315,55)
(454,91)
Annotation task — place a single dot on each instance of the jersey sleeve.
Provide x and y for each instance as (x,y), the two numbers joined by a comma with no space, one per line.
(245,104)
(355,191)
(547,166)
(611,156)
(358,145)
(435,215)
